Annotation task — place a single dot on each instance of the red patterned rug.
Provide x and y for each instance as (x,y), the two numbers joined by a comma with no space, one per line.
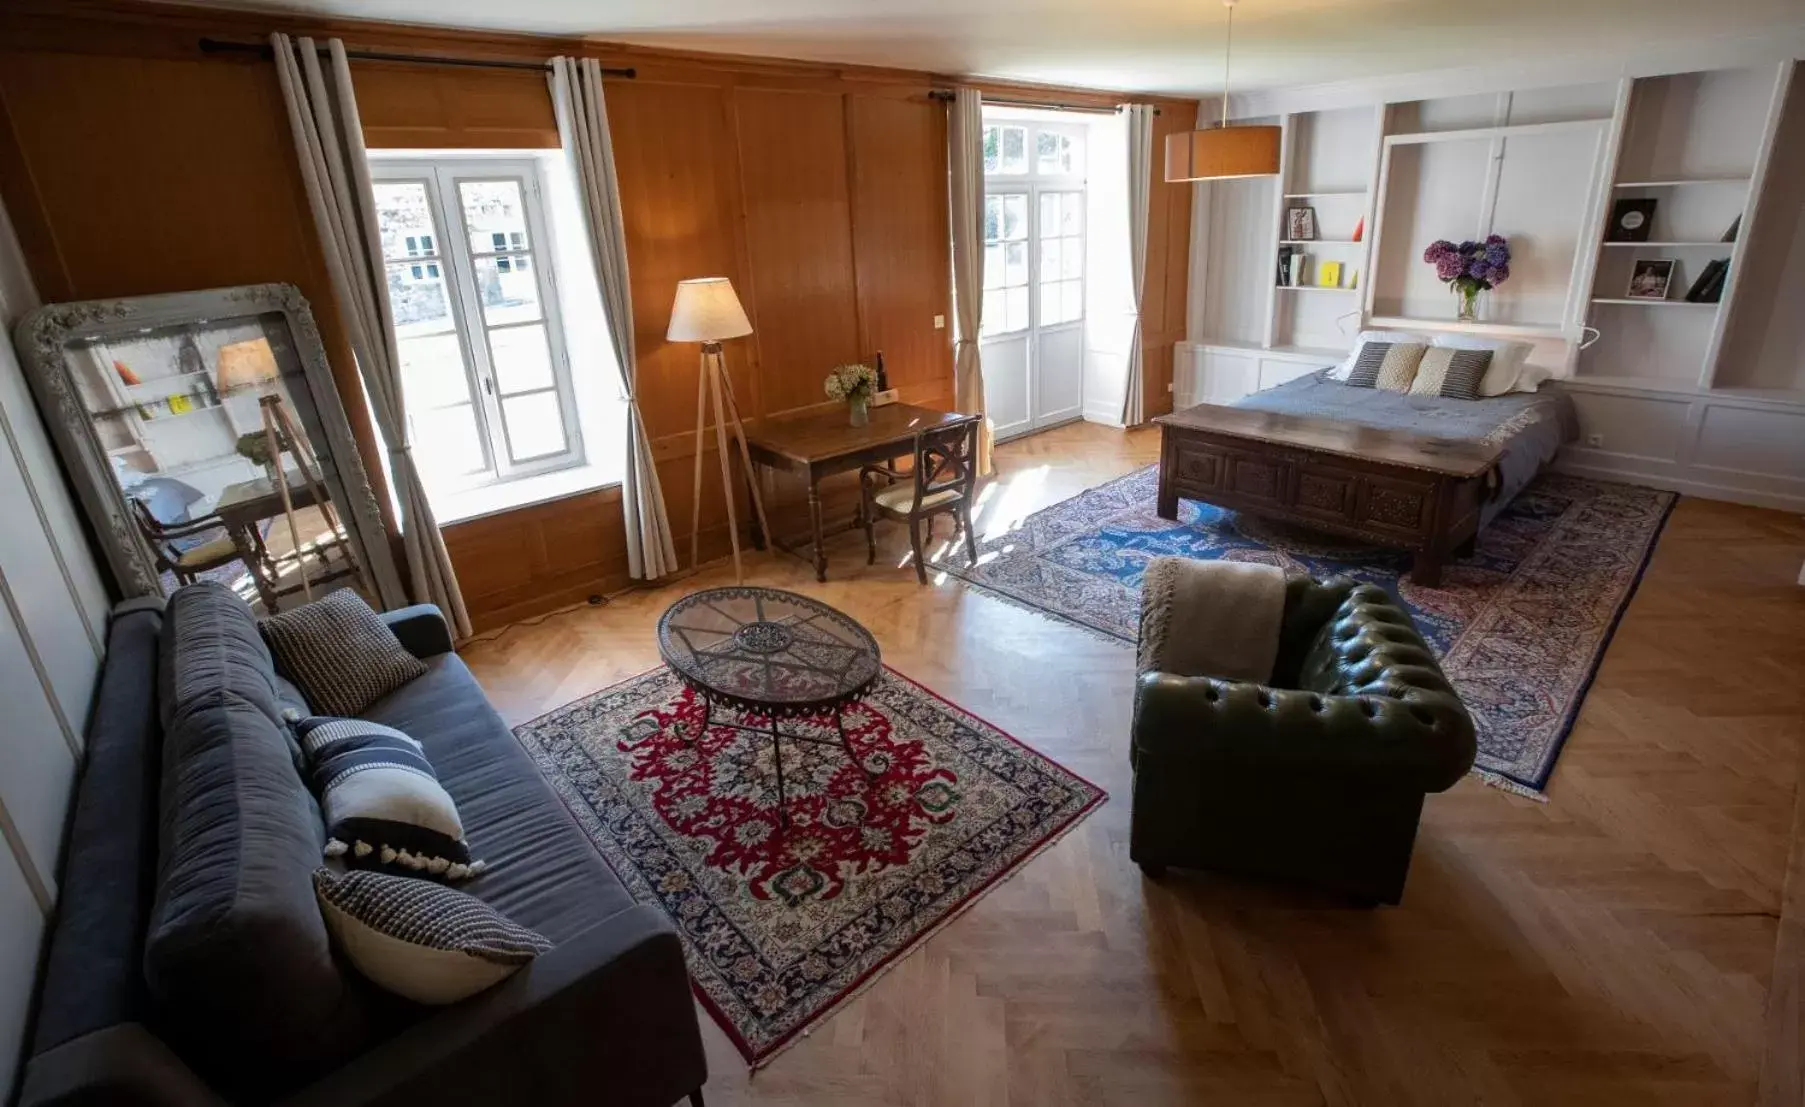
(783,921)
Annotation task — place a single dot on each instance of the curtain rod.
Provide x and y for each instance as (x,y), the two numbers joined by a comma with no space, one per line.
(1045,105)
(264,50)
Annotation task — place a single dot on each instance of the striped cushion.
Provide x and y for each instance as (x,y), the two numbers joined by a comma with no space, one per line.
(383,804)
(1451,373)
(341,653)
(1387,365)
(424,941)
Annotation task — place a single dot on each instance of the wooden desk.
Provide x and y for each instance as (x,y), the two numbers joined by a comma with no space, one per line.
(821,442)
(1387,487)
(245,504)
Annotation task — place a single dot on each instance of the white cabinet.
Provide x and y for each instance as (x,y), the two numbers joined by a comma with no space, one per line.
(1223,374)
(1276,371)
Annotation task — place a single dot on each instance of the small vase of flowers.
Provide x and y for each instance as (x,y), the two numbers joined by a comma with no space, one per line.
(854,384)
(1470,268)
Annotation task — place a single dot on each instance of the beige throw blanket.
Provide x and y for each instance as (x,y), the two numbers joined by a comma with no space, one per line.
(1211,618)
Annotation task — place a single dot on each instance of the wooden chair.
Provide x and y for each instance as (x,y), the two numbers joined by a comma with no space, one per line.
(943,482)
(173,548)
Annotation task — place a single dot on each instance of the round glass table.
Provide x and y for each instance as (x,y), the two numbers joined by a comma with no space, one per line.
(770,654)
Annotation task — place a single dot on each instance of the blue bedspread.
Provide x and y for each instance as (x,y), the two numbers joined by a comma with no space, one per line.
(1531,426)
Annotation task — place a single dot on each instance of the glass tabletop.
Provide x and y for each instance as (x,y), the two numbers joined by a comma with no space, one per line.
(767,649)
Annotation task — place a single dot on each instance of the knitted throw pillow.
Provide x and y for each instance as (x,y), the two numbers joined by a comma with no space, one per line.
(421,940)
(340,653)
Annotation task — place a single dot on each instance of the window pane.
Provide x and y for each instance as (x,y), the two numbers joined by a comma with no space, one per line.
(993,218)
(1017,310)
(1015,150)
(507,297)
(535,428)
(446,442)
(1046,152)
(1049,303)
(1015,216)
(523,359)
(1049,214)
(1073,258)
(1072,213)
(1050,259)
(432,371)
(494,214)
(993,267)
(992,149)
(993,321)
(1073,296)
(1015,269)
(403,218)
(418,298)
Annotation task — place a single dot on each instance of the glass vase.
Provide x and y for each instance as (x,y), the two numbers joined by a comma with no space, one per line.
(859,410)
(1468,299)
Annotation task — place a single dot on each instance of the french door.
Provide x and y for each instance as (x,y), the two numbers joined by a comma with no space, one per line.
(1032,337)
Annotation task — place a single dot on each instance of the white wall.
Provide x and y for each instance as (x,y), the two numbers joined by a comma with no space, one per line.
(52,622)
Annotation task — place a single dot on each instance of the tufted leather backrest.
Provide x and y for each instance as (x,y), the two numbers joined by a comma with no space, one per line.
(1369,647)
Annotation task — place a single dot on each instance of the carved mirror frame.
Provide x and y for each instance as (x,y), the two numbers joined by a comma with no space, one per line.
(43,338)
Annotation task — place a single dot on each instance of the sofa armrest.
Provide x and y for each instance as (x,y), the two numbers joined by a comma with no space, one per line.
(1420,737)
(123,1065)
(604,1017)
(421,628)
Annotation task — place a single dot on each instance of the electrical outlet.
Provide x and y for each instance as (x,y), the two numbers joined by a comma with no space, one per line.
(1168,386)
(939,322)
(1595,441)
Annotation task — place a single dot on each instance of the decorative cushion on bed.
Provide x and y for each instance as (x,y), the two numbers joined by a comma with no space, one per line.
(1507,360)
(424,941)
(1450,373)
(1387,365)
(383,804)
(340,653)
(1345,369)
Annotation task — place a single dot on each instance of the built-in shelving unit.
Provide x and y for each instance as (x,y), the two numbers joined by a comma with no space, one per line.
(1706,397)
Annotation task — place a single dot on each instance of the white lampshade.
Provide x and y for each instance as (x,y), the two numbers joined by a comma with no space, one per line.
(706,310)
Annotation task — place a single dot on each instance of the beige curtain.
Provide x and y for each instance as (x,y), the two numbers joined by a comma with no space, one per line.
(328,137)
(965,161)
(583,125)
(1140,194)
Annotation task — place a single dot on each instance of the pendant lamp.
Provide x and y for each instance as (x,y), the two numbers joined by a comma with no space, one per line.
(1222,152)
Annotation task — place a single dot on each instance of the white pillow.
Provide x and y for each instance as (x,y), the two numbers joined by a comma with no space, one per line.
(1340,372)
(1507,361)
(1531,377)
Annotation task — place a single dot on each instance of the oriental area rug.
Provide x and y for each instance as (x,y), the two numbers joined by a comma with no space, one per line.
(1519,627)
(782,920)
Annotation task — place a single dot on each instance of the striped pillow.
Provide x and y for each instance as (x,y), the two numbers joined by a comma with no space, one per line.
(1387,365)
(424,941)
(1452,373)
(383,804)
(340,653)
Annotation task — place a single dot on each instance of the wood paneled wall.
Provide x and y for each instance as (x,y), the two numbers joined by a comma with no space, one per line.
(134,164)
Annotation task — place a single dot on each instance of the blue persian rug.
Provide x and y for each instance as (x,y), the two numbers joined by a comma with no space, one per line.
(1520,626)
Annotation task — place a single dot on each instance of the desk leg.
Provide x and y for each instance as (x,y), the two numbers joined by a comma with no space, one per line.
(814,522)
(250,551)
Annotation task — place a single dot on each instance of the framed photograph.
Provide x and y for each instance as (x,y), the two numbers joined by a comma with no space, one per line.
(1300,224)
(1631,220)
(1649,279)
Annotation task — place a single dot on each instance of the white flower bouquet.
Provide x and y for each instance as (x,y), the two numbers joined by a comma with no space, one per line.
(852,383)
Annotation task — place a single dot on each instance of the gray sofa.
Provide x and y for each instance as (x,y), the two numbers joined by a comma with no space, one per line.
(189,964)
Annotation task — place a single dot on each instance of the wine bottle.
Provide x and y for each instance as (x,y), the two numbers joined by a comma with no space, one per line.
(883,378)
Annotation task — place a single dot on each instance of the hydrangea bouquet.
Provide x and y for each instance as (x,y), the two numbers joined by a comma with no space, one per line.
(854,384)
(1470,268)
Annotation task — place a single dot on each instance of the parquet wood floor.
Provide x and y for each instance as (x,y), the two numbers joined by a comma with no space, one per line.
(1615,945)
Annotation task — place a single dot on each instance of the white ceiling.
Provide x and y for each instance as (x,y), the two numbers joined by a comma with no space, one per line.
(1142,45)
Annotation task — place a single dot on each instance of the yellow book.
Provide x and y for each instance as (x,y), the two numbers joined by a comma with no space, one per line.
(179,405)
(1328,274)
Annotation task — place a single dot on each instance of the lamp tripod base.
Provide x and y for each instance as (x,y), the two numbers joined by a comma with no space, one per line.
(714,388)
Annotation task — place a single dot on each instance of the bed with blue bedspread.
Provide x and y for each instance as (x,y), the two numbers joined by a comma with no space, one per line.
(1530,427)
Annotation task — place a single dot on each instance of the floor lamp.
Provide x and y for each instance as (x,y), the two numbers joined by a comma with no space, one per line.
(707,311)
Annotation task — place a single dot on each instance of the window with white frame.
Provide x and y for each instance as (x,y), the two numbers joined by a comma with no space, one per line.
(1033,226)
(483,365)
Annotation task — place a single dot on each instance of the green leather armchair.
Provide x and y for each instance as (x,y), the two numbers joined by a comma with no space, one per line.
(1321,775)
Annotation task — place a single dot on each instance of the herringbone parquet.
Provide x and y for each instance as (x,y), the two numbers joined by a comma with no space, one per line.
(1615,945)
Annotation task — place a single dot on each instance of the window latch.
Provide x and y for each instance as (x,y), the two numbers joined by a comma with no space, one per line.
(489,385)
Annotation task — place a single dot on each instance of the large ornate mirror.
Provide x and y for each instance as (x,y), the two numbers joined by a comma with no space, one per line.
(207,442)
